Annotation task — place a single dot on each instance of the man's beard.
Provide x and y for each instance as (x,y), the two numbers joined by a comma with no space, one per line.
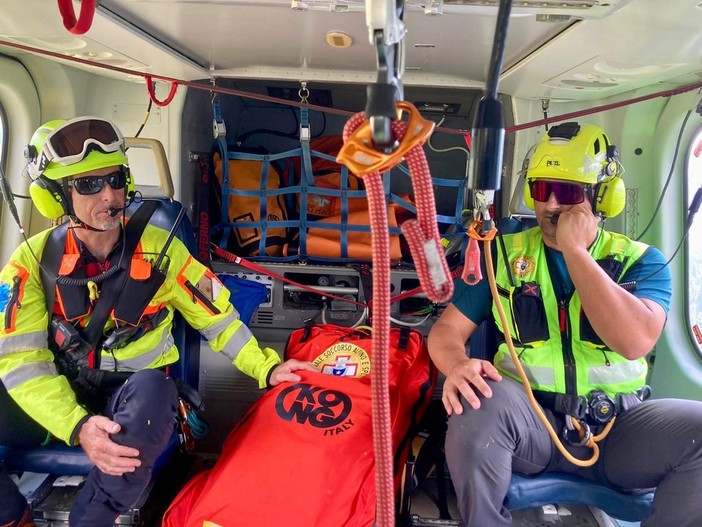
(107,224)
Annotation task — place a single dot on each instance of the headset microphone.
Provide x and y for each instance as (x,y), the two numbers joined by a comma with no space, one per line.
(112,212)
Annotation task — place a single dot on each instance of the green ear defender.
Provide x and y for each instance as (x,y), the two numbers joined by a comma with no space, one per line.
(609,197)
(49,198)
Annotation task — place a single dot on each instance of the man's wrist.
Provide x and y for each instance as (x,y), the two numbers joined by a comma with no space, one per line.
(268,377)
(73,440)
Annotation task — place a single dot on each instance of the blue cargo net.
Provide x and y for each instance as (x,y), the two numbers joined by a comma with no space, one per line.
(305,190)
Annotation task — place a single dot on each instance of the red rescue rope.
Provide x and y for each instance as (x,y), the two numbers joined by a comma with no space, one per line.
(424,240)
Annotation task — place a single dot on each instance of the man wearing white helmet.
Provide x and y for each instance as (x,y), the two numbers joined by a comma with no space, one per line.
(72,389)
(583,308)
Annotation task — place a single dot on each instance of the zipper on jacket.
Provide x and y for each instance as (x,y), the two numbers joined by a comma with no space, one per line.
(13,304)
(567,346)
(606,358)
(199,295)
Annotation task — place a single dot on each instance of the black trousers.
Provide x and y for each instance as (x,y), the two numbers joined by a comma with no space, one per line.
(145,406)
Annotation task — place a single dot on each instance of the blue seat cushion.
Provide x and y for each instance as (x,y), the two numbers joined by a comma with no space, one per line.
(60,459)
(527,492)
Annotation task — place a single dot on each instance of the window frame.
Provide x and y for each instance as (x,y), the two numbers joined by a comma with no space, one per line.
(693,311)
(4,148)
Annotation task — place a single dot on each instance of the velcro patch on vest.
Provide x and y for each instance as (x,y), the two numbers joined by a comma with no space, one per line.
(210,286)
(531,289)
(344,359)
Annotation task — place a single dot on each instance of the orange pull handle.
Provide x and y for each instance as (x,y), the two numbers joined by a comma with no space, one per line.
(471,268)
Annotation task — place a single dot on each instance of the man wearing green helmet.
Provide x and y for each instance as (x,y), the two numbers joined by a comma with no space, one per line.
(62,380)
(583,307)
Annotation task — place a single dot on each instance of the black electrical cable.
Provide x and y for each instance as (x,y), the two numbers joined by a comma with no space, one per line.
(146,117)
(692,210)
(8,197)
(79,282)
(669,178)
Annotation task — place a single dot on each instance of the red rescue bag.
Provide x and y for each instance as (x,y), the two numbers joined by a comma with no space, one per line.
(302,456)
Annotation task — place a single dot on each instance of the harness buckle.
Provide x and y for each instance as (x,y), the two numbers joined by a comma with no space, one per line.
(600,408)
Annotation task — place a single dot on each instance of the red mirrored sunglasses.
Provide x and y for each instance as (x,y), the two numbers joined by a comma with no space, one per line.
(566,193)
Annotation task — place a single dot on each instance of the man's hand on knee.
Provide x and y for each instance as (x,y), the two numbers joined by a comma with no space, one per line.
(109,457)
(467,378)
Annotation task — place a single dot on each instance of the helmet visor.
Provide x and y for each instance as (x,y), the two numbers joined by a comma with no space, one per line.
(72,142)
(566,193)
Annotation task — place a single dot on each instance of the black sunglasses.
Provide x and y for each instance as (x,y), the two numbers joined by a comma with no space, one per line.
(94,184)
(566,193)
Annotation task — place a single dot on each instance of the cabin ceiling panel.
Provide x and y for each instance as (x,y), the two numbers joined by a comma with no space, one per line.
(579,53)
(106,44)
(245,38)
(644,43)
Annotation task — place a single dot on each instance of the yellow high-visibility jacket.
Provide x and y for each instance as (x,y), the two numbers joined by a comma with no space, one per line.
(27,365)
(558,349)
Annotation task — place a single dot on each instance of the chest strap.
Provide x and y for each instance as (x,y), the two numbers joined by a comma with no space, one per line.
(113,279)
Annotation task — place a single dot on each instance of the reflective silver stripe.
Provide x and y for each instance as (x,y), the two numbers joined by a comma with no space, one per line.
(28,371)
(107,362)
(618,372)
(235,344)
(213,332)
(27,342)
(539,375)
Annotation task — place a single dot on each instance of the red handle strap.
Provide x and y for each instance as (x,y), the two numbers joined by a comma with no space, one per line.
(152,92)
(85,20)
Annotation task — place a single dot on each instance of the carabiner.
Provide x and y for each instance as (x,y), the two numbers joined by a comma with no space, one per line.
(386,33)
(584,434)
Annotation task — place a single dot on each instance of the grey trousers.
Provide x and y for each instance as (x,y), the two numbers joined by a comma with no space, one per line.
(655,444)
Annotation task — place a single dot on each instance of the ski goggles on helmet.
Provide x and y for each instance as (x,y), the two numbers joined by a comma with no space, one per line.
(94,184)
(566,193)
(75,139)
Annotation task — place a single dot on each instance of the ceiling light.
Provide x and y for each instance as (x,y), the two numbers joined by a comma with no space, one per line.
(339,39)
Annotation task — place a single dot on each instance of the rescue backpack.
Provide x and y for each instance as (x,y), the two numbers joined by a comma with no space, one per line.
(303,454)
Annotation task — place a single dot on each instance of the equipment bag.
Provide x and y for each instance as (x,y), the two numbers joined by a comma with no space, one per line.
(303,454)
(336,216)
(248,180)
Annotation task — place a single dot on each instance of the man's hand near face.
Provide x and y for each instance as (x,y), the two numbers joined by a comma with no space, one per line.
(577,227)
